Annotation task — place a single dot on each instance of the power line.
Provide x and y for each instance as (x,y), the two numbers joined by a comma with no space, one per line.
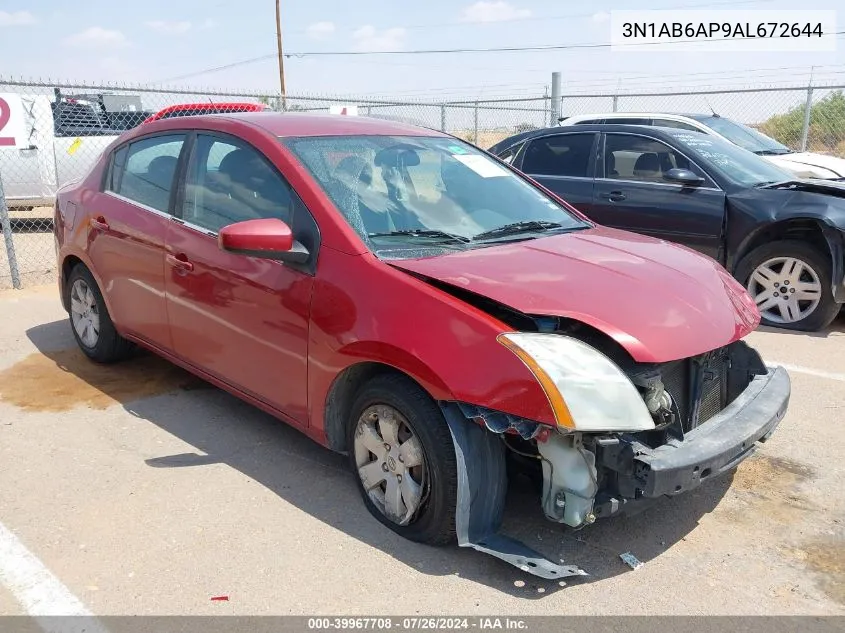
(556,17)
(496,49)
(519,49)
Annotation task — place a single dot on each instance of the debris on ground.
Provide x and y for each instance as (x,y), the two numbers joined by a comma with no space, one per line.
(632,561)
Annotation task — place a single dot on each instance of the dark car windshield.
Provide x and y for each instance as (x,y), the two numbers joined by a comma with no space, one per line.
(733,163)
(744,136)
(413,192)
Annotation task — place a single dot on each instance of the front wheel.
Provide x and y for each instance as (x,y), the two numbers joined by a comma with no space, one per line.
(402,454)
(791,283)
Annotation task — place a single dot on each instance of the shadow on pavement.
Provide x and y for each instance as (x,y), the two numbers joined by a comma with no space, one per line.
(226,430)
(837,327)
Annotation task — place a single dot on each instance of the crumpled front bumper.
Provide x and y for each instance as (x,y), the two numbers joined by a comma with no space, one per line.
(713,448)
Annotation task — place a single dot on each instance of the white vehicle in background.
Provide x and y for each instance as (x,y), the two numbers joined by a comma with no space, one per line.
(802,164)
(47,141)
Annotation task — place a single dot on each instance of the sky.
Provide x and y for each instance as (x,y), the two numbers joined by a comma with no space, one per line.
(172,41)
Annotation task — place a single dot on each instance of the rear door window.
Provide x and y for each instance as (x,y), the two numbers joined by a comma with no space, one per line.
(560,155)
(147,175)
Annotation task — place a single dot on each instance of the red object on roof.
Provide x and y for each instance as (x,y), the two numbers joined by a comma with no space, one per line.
(190,109)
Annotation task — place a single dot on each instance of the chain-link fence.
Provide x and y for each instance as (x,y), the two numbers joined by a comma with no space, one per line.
(52,133)
(781,113)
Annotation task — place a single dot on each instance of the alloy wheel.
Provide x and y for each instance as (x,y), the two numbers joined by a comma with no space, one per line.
(786,289)
(84,313)
(390,462)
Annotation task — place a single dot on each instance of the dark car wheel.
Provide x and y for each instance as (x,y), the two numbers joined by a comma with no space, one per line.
(90,321)
(791,284)
(402,454)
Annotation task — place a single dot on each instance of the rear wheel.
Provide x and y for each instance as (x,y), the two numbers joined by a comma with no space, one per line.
(90,321)
(791,283)
(402,454)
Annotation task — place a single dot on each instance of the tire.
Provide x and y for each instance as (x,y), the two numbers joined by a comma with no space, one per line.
(817,269)
(433,522)
(106,346)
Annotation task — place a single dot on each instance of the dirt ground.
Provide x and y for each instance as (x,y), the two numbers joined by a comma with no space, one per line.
(146,491)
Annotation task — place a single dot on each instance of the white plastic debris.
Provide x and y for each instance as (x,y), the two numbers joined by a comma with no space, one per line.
(632,561)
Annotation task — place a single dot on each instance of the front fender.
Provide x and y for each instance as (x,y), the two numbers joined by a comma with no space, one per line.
(399,359)
(366,311)
(835,239)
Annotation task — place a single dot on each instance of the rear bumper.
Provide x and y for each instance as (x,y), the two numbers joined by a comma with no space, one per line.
(713,448)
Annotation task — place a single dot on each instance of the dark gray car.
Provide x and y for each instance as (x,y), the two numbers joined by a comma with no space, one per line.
(782,237)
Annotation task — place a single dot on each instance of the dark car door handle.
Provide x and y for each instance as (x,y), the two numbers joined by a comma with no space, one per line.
(613,196)
(99,223)
(179,261)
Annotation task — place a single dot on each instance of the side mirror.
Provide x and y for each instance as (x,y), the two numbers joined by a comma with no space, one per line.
(266,238)
(683,177)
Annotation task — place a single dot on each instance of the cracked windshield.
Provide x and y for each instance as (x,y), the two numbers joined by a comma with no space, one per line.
(405,193)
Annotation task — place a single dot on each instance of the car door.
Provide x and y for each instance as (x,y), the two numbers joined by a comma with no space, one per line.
(632,194)
(242,319)
(129,221)
(563,163)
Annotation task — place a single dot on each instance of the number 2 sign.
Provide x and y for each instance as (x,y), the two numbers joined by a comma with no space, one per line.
(11,120)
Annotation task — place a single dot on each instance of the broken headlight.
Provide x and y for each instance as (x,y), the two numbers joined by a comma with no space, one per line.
(586,390)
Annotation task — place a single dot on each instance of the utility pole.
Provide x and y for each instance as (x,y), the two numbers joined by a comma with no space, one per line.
(281,55)
(555,99)
(808,110)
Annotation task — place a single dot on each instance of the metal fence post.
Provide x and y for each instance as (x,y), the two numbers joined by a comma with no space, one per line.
(616,103)
(805,129)
(556,99)
(475,133)
(443,117)
(7,237)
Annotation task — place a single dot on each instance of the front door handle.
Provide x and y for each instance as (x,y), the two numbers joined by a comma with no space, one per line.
(613,196)
(180,262)
(99,223)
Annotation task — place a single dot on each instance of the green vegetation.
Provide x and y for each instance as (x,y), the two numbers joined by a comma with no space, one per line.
(827,125)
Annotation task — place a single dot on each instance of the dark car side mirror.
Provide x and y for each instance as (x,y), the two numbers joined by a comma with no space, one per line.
(683,177)
(266,238)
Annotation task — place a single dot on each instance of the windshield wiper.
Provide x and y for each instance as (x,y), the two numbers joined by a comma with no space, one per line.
(427,233)
(528,226)
(773,152)
(776,184)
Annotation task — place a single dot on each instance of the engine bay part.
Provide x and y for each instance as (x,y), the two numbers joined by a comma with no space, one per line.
(569,480)
(482,485)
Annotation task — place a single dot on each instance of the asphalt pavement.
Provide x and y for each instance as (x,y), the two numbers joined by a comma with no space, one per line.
(138,489)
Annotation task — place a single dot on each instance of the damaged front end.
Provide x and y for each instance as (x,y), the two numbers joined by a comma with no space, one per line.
(693,419)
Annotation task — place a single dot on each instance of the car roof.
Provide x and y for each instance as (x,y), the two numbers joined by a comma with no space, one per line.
(310,124)
(666,133)
(688,115)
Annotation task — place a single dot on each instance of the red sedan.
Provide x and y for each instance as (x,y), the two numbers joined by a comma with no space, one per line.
(407,299)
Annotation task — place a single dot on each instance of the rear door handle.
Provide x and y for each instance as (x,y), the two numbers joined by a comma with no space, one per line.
(99,223)
(180,262)
(613,196)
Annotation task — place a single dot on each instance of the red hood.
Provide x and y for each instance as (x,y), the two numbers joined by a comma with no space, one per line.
(658,300)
